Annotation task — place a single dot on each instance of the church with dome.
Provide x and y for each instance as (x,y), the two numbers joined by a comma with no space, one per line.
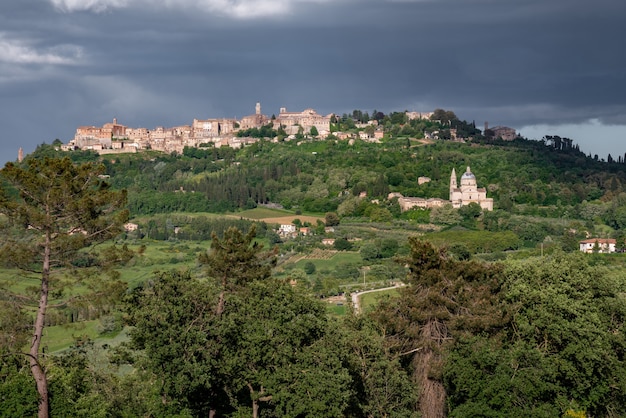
(460,195)
(468,191)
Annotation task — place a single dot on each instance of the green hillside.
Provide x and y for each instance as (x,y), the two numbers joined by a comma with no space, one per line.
(207,306)
(540,193)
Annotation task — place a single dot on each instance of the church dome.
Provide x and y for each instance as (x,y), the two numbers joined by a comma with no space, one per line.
(468,174)
(468,179)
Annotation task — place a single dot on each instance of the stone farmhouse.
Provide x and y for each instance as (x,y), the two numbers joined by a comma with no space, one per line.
(468,192)
(287,230)
(504,132)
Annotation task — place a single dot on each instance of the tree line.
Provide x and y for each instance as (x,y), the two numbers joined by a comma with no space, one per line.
(537,337)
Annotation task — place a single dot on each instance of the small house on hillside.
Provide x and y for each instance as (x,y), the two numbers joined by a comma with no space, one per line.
(130,227)
(287,231)
(600,245)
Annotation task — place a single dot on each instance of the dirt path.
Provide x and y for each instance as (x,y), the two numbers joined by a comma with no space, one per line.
(356,296)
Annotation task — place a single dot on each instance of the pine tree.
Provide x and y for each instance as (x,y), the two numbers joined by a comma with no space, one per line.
(235,261)
(56,209)
(446,299)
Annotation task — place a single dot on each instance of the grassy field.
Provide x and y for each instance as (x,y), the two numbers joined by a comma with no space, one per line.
(332,262)
(158,216)
(268,215)
(262,213)
(335,309)
(278,216)
(370,300)
(157,256)
(154,256)
(19,282)
(60,337)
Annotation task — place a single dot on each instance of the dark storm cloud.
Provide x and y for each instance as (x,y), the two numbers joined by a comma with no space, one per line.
(65,63)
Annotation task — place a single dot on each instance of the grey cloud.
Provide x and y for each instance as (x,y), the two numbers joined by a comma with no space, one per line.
(237,9)
(516,63)
(92,5)
(22,52)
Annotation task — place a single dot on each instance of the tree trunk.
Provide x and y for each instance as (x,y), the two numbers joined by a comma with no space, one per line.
(255,400)
(222,298)
(220,304)
(255,408)
(432,396)
(36,368)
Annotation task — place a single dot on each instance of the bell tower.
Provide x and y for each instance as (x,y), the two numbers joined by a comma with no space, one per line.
(452,182)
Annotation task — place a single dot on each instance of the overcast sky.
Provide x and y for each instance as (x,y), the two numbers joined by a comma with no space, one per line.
(555,67)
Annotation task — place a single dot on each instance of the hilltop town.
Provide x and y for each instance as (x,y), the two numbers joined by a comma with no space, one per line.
(114,137)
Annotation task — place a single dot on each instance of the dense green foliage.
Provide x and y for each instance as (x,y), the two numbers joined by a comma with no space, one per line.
(240,342)
(446,299)
(266,131)
(193,228)
(563,348)
(526,179)
(237,330)
(537,337)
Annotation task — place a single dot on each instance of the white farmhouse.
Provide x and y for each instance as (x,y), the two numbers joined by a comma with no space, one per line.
(602,245)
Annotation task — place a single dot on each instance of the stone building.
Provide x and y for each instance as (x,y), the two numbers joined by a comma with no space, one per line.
(254,121)
(114,130)
(212,128)
(305,119)
(407,203)
(468,192)
(139,135)
(419,115)
(462,195)
(503,132)
(96,138)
